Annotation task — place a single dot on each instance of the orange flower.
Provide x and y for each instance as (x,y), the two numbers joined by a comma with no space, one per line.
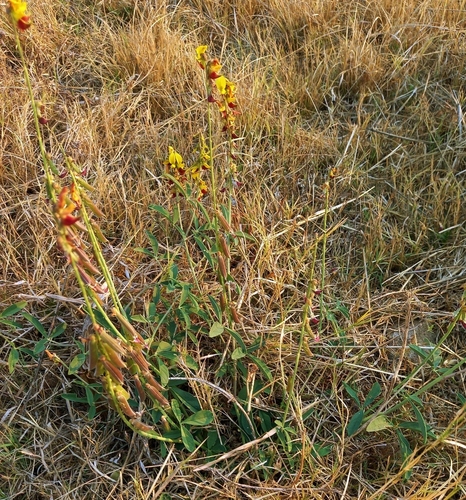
(66,206)
(17,9)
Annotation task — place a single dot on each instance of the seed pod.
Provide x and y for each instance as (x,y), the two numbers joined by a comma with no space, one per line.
(224,246)
(89,280)
(114,358)
(221,266)
(151,380)
(235,315)
(139,359)
(92,207)
(139,388)
(52,356)
(223,222)
(125,407)
(98,232)
(115,344)
(113,371)
(165,423)
(156,395)
(140,426)
(85,261)
(223,302)
(84,184)
(93,352)
(129,328)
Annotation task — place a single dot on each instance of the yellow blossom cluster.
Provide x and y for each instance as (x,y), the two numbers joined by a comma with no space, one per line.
(18,11)
(176,167)
(221,90)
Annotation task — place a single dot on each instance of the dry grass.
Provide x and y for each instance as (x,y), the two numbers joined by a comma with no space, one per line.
(375,88)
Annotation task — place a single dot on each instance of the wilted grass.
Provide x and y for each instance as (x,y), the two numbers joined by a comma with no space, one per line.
(374,90)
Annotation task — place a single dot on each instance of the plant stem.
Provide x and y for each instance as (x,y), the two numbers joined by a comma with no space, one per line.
(48,166)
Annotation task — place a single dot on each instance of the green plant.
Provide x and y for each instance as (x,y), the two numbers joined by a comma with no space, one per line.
(117,353)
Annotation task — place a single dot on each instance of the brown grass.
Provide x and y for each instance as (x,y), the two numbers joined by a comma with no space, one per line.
(374,88)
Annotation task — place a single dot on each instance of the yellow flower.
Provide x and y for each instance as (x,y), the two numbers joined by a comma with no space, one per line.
(213,70)
(203,189)
(18,12)
(175,159)
(200,56)
(221,84)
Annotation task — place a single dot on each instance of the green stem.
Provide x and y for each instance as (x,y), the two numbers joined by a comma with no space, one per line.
(307,308)
(98,251)
(48,166)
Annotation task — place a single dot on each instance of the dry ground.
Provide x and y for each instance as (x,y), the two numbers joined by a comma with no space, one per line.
(373,88)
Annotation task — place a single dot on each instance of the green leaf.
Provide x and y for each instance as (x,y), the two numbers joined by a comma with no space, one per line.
(425,353)
(216,307)
(406,452)
(285,440)
(35,322)
(238,353)
(173,272)
(420,351)
(139,318)
(194,303)
(200,418)
(353,393)
(176,410)
(163,346)
(320,450)
(156,294)
(10,322)
(205,251)
(92,412)
(184,293)
(461,398)
(214,444)
(263,367)
(355,423)
(373,394)
(13,309)
(191,362)
(40,346)
(145,251)
(188,399)
(153,242)
(242,234)
(188,439)
(165,350)
(307,414)
(416,399)
(343,309)
(76,363)
(163,372)
(90,396)
(238,339)
(71,396)
(379,423)
(13,359)
(184,315)
(161,210)
(266,422)
(58,330)
(216,329)
(102,321)
(423,429)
